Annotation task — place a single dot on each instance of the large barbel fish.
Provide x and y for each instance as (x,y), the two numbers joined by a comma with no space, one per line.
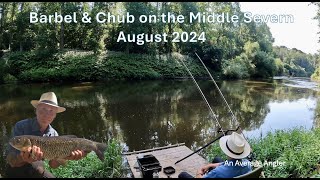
(58,147)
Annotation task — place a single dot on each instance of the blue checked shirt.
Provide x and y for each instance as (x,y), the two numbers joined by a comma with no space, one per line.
(230,169)
(30,127)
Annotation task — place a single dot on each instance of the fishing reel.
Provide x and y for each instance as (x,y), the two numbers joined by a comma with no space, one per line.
(251,156)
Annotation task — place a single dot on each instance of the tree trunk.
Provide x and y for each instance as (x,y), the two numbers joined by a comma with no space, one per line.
(169,47)
(21,32)
(12,18)
(170,30)
(158,30)
(1,27)
(62,36)
(62,28)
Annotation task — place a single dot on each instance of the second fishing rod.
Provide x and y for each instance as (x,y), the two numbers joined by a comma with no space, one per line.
(204,98)
(224,99)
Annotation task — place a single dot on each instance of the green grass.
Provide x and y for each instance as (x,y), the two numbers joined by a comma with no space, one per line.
(298,151)
(92,167)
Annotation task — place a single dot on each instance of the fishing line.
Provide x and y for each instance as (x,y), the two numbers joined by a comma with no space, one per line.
(204,98)
(233,116)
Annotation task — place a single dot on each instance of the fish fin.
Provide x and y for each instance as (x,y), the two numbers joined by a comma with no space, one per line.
(63,162)
(101,147)
(26,146)
(69,136)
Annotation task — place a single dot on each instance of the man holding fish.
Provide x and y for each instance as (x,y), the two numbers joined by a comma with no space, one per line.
(28,161)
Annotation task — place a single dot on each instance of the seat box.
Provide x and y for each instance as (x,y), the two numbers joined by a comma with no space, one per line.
(148,165)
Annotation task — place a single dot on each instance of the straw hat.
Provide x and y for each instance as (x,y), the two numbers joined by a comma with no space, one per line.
(235,146)
(48,98)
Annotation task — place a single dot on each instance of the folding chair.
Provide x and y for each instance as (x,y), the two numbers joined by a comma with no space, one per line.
(256,173)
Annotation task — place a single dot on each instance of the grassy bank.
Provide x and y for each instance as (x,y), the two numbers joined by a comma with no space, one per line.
(294,153)
(298,151)
(92,167)
(46,66)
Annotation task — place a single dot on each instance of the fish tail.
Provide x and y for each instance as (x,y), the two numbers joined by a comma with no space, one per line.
(101,147)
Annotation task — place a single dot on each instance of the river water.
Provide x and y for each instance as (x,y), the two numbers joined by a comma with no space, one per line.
(147,114)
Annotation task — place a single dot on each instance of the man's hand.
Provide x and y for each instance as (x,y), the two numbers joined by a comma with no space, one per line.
(77,155)
(32,154)
(203,169)
(200,173)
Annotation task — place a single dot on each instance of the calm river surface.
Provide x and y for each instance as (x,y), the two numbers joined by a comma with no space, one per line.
(147,114)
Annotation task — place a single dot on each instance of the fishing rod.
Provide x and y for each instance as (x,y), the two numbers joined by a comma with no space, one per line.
(204,98)
(233,116)
(251,155)
(225,132)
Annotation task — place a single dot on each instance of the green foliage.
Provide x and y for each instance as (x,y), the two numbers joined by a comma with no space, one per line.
(251,48)
(5,77)
(279,67)
(21,61)
(264,65)
(210,54)
(224,42)
(316,75)
(135,66)
(8,78)
(298,149)
(296,62)
(86,66)
(265,39)
(92,167)
(237,68)
(294,70)
(2,70)
(304,63)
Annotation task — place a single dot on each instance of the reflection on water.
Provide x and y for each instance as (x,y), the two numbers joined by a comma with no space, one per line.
(300,82)
(148,114)
(287,115)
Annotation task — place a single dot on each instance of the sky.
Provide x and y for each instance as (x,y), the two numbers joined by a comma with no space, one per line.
(300,34)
